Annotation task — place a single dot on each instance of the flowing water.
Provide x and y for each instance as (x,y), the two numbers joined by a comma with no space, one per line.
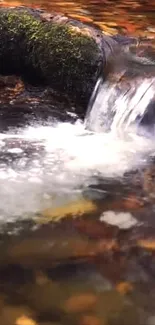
(54,170)
(116,108)
(41,162)
(96,265)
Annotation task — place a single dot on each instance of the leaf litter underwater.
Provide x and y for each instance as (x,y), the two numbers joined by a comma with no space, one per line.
(48,166)
(62,169)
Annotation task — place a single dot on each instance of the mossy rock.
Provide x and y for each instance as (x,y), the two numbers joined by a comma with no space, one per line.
(48,50)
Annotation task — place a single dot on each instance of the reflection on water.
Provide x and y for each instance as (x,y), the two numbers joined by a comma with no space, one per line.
(126,17)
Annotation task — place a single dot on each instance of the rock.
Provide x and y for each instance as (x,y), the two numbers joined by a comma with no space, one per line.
(54,50)
(38,252)
(65,54)
(22,104)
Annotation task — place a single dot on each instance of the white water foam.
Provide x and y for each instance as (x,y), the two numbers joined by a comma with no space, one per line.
(49,165)
(45,166)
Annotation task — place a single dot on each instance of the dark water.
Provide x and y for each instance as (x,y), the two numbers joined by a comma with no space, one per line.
(95,265)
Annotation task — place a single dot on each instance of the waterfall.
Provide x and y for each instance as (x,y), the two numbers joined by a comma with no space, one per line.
(44,165)
(120,102)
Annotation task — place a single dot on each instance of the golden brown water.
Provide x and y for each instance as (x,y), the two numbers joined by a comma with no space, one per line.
(127,17)
(82,271)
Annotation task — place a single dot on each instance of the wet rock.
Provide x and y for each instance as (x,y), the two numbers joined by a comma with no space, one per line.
(52,251)
(44,56)
(45,53)
(45,245)
(22,104)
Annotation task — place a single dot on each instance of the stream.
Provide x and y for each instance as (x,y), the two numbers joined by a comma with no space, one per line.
(77,196)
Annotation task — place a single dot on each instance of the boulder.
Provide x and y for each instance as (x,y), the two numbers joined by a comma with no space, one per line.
(53,50)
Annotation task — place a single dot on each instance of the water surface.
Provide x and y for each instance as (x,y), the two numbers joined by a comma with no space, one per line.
(96,265)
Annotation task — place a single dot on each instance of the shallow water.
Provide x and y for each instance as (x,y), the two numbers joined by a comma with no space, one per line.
(96,265)
(127,17)
(61,160)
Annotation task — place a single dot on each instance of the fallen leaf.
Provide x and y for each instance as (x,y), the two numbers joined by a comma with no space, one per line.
(24,320)
(124,287)
(147,244)
(74,209)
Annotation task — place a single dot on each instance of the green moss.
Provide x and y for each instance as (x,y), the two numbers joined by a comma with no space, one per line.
(53,53)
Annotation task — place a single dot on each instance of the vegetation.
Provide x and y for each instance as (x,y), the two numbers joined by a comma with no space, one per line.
(47,52)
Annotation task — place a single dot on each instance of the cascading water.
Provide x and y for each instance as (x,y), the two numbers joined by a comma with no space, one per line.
(120,104)
(44,166)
